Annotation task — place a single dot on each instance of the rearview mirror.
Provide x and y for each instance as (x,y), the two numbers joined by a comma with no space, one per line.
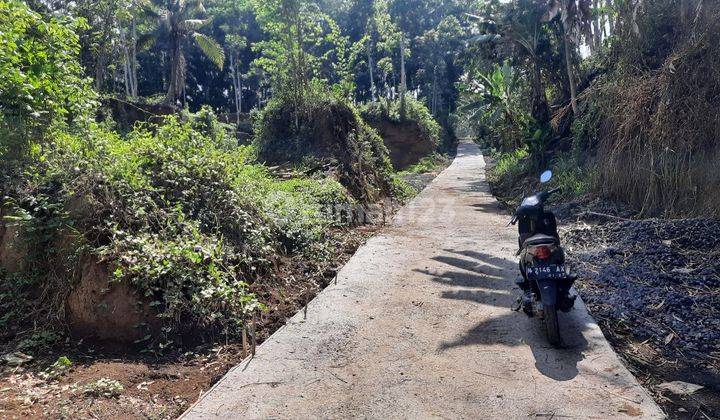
(545,177)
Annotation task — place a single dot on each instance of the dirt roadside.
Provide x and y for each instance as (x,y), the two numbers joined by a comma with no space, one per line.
(418,325)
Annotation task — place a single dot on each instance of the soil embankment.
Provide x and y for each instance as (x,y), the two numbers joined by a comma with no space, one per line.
(406,142)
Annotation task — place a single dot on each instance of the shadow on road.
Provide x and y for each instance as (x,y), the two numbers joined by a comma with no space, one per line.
(486,279)
(493,207)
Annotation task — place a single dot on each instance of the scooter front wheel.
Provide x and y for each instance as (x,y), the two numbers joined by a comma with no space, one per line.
(552,326)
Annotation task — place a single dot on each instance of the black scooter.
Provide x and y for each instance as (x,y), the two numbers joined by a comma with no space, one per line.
(545,280)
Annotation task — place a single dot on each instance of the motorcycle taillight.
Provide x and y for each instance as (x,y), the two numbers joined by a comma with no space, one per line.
(542,252)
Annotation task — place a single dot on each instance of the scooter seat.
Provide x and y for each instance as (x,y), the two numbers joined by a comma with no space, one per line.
(541,239)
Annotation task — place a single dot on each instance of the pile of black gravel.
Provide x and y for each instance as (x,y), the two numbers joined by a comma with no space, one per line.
(659,279)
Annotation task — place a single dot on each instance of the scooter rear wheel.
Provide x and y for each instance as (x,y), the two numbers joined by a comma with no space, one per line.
(552,326)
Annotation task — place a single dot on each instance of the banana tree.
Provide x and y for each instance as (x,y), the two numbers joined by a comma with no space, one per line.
(520,24)
(178,24)
(491,99)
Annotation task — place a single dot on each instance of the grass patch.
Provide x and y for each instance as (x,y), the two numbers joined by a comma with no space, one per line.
(510,165)
(427,164)
(572,179)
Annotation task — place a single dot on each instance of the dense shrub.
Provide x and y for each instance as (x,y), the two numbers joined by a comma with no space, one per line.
(331,134)
(572,178)
(178,211)
(42,84)
(511,164)
(426,164)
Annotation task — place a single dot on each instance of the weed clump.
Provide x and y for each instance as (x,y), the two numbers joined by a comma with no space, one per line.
(652,129)
(103,387)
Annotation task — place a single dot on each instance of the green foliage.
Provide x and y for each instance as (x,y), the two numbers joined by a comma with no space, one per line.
(511,165)
(41,84)
(181,214)
(492,104)
(329,132)
(569,176)
(537,144)
(427,164)
(57,369)
(177,22)
(303,44)
(304,209)
(401,190)
(38,342)
(389,110)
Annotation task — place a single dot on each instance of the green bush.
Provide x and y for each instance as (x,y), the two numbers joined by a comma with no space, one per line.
(42,84)
(511,165)
(180,213)
(427,164)
(572,178)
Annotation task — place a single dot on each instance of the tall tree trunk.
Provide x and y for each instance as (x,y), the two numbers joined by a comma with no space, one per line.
(603,23)
(611,25)
(99,71)
(433,101)
(177,69)
(237,87)
(597,32)
(370,71)
(130,89)
(403,83)
(126,74)
(540,111)
(571,78)
(133,59)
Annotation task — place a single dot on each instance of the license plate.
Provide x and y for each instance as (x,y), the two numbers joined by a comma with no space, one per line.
(550,271)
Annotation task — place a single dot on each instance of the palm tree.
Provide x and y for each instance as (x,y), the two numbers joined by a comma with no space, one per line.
(576,18)
(177,24)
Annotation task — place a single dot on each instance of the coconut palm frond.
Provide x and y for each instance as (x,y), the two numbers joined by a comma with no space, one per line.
(146,41)
(194,24)
(211,48)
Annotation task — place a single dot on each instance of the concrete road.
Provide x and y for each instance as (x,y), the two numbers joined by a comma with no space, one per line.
(419,326)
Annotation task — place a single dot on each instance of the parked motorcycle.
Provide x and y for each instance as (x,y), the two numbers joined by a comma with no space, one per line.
(545,280)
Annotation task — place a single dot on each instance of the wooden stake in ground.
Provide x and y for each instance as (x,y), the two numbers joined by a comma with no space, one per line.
(244,341)
(252,335)
(307,292)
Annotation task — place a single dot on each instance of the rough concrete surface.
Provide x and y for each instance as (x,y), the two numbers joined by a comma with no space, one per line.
(419,326)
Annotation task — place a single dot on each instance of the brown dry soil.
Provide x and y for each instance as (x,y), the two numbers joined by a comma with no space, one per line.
(406,142)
